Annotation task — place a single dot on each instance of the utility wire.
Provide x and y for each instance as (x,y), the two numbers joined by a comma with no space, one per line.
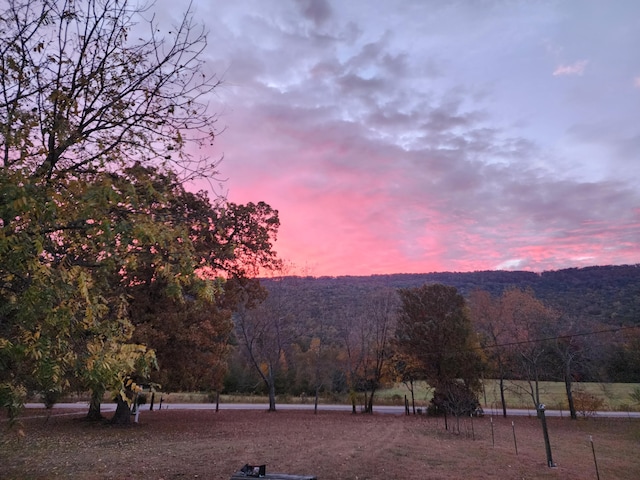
(559,337)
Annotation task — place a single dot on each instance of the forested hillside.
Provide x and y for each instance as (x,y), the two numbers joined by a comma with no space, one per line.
(603,294)
(334,334)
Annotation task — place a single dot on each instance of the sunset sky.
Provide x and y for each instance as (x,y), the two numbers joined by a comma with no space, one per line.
(416,136)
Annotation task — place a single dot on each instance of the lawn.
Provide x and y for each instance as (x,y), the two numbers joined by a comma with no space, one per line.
(172,444)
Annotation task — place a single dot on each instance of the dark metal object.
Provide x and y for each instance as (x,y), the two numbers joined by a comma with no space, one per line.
(545,431)
(248,472)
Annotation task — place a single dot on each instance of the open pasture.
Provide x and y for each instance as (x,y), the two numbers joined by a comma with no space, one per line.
(172,444)
(614,396)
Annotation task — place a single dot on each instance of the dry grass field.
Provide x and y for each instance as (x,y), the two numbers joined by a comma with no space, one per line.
(614,396)
(174,444)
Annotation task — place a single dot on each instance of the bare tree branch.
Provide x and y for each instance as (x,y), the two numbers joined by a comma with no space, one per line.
(77,93)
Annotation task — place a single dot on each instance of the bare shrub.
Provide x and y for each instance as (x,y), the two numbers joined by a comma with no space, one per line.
(587,404)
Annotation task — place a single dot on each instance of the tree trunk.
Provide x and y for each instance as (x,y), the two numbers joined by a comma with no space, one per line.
(94,406)
(413,397)
(315,401)
(370,404)
(502,400)
(484,391)
(272,391)
(123,413)
(567,386)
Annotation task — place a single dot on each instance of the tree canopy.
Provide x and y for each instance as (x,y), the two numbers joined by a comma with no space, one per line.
(101,115)
(93,84)
(434,329)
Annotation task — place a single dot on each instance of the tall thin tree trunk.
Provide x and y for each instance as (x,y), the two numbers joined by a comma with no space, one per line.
(567,386)
(413,397)
(94,405)
(315,401)
(272,391)
(502,399)
(484,390)
(370,404)
(352,395)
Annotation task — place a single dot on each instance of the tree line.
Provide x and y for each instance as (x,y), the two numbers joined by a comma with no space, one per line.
(354,339)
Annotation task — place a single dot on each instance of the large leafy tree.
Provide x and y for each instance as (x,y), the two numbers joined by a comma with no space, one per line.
(64,251)
(101,114)
(40,303)
(434,329)
(125,250)
(190,331)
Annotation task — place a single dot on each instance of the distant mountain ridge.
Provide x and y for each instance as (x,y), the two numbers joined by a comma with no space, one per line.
(604,294)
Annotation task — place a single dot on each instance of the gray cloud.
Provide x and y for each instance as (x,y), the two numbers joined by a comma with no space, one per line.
(318,11)
(401,146)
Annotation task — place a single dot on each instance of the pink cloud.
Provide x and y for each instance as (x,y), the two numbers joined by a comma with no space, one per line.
(352,205)
(576,68)
(379,162)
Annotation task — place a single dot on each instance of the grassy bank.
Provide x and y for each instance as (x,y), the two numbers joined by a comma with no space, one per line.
(610,396)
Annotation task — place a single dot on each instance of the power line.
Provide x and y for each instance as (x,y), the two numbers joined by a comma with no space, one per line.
(559,337)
